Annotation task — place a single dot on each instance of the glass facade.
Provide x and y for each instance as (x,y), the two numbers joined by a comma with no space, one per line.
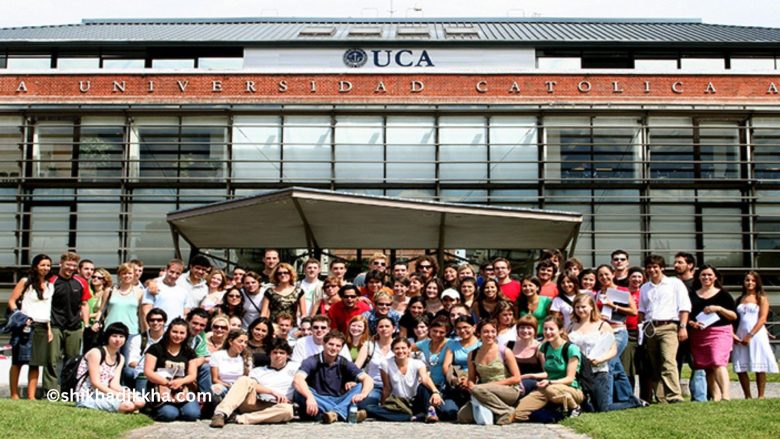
(645,182)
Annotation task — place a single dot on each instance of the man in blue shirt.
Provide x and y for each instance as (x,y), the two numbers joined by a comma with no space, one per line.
(326,383)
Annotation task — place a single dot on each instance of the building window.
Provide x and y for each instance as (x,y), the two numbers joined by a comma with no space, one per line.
(592,148)
(78,63)
(359,150)
(194,151)
(123,63)
(463,149)
(719,147)
(52,152)
(722,236)
(671,148)
(514,154)
(173,64)
(98,226)
(672,229)
(307,149)
(8,239)
(10,148)
(220,63)
(767,226)
(28,62)
(257,149)
(101,148)
(766,148)
(411,149)
(149,236)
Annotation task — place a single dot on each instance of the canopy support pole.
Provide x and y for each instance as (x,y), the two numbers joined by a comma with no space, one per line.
(176,246)
(311,241)
(440,249)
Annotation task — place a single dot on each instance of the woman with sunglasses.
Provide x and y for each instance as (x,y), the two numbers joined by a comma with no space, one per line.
(100,284)
(123,305)
(232,304)
(220,326)
(383,307)
(284,296)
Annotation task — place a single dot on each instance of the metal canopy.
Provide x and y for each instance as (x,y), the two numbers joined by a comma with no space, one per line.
(317,219)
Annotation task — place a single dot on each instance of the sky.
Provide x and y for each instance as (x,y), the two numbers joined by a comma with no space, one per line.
(49,12)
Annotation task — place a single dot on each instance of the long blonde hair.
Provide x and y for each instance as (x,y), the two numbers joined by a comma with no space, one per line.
(595,315)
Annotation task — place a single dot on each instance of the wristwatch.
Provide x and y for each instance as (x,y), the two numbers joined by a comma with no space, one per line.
(682,325)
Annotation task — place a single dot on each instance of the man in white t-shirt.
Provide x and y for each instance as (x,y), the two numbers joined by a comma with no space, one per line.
(170,297)
(194,281)
(264,396)
(312,344)
(311,286)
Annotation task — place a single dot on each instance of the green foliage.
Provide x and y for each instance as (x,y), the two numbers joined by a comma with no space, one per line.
(726,419)
(50,420)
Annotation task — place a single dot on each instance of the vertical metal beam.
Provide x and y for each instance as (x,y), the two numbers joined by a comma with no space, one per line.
(442,237)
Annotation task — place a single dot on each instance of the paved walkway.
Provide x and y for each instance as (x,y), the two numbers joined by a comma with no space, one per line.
(368,429)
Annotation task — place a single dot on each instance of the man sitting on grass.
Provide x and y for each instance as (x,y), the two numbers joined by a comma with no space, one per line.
(265,395)
(326,383)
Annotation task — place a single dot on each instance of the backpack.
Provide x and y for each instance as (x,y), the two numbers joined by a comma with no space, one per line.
(69,376)
(584,375)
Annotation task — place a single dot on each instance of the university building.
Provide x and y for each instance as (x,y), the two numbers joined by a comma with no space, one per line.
(664,135)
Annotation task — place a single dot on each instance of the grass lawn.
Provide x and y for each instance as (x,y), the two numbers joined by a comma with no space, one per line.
(725,419)
(770,377)
(43,419)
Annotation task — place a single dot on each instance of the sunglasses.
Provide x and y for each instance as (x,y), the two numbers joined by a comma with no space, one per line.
(349,297)
(426,267)
(319,328)
(381,264)
(219,328)
(382,304)
(156,320)
(98,278)
(280,273)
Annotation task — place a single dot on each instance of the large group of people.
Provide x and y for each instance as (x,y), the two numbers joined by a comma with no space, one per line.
(401,342)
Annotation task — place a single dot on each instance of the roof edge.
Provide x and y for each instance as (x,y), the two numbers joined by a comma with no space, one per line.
(338,20)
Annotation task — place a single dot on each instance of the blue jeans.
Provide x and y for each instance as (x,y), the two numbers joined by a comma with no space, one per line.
(698,385)
(419,407)
(188,411)
(372,399)
(602,396)
(326,403)
(454,399)
(529,385)
(204,378)
(619,387)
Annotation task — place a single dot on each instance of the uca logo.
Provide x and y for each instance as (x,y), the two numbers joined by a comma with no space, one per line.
(355,58)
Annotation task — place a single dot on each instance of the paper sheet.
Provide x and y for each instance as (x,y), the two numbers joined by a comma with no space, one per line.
(707,319)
